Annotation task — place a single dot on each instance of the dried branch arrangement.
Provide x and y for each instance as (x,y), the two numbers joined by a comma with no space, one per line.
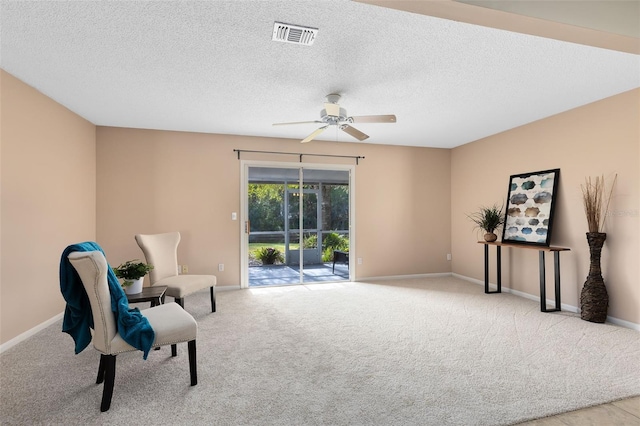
(595,205)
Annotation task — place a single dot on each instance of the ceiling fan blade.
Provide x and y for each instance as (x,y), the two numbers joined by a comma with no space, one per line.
(354,132)
(297,122)
(332,109)
(374,119)
(314,134)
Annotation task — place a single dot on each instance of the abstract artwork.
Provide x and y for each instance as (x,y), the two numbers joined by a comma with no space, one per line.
(530,206)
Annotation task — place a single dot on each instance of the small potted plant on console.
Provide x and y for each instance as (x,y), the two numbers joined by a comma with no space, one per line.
(132,273)
(488,219)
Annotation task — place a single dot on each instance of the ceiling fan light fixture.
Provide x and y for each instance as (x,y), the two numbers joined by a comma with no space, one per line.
(296,34)
(334,115)
(333,110)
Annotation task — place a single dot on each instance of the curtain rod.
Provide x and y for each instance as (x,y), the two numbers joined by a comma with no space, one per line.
(355,157)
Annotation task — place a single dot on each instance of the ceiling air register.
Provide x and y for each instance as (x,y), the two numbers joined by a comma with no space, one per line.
(296,34)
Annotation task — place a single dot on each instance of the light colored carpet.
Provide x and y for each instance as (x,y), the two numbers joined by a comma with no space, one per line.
(430,351)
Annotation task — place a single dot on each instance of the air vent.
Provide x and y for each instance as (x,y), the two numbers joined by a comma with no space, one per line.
(287,33)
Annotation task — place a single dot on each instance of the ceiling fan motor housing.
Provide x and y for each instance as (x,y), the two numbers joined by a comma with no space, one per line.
(334,119)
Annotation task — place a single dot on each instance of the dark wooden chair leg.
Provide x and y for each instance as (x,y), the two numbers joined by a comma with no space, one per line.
(180,302)
(100,378)
(174,350)
(213,300)
(193,368)
(109,362)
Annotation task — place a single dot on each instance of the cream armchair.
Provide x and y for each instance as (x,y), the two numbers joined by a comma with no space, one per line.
(171,324)
(161,251)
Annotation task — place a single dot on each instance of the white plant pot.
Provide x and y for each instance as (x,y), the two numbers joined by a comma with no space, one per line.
(134,288)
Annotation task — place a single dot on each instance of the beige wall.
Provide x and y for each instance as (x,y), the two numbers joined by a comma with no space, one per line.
(602,138)
(156,181)
(64,181)
(47,179)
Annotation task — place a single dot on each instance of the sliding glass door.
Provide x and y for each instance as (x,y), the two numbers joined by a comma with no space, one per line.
(297,225)
(303,211)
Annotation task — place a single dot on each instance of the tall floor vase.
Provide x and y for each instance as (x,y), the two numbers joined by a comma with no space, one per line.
(594,299)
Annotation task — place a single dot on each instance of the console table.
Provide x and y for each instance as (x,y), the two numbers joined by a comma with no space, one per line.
(541,249)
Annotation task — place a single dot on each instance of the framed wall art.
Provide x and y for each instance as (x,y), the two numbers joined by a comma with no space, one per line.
(530,207)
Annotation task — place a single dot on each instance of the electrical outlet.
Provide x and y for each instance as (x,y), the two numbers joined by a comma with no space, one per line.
(221,267)
(185,269)
(359,261)
(449,256)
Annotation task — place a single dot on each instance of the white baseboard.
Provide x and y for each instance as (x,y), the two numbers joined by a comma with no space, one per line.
(565,307)
(24,336)
(623,323)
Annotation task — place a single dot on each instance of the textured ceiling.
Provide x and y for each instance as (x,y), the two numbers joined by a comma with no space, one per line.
(212,67)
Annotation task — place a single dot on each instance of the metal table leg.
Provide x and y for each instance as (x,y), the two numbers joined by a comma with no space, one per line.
(556,264)
(486,269)
(543,290)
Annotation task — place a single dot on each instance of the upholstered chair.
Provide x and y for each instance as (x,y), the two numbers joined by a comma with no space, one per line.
(171,324)
(161,251)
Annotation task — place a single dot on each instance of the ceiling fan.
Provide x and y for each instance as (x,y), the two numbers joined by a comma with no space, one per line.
(334,115)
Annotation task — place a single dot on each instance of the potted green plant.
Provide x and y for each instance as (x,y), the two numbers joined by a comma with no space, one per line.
(132,273)
(488,219)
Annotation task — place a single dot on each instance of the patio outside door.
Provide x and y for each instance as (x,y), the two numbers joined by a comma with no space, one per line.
(299,216)
(307,215)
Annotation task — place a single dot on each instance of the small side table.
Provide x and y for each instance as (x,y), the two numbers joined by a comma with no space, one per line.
(155,295)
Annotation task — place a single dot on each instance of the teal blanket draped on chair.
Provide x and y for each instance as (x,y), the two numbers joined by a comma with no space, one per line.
(133,327)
